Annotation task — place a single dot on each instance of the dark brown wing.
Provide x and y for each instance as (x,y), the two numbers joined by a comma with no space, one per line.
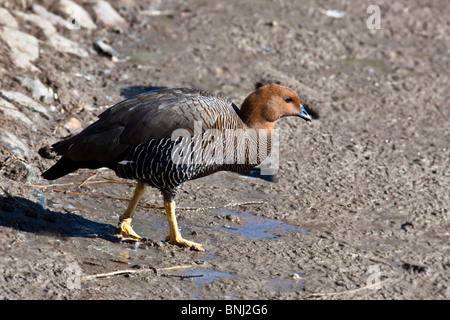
(151,115)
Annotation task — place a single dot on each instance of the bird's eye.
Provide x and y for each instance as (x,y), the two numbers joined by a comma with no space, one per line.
(288,100)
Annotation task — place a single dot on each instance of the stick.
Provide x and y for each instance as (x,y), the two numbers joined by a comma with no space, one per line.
(130,271)
(182,277)
(87,180)
(12,197)
(321,294)
(112,273)
(224,206)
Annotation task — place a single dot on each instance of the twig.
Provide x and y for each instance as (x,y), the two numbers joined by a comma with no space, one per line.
(113,273)
(130,271)
(220,207)
(87,180)
(321,294)
(12,197)
(182,277)
(172,268)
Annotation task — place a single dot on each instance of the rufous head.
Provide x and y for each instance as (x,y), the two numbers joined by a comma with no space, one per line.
(268,104)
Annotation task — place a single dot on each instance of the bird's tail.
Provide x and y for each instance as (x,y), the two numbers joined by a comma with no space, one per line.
(61,168)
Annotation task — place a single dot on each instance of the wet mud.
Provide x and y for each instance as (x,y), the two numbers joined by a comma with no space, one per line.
(358,208)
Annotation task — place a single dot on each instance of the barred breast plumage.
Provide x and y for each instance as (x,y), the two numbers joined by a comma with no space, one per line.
(166,137)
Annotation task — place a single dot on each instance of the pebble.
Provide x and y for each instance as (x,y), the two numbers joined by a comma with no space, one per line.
(47,15)
(24,47)
(77,17)
(108,16)
(105,49)
(37,88)
(72,124)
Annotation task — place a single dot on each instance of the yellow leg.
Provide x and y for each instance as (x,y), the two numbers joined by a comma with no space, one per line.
(174,234)
(124,229)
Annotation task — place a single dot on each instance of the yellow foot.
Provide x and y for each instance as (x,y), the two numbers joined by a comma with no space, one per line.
(179,241)
(126,232)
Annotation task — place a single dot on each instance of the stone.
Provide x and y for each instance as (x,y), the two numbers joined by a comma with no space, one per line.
(25,102)
(46,26)
(14,144)
(77,17)
(105,49)
(10,111)
(24,47)
(59,42)
(108,16)
(47,15)
(63,44)
(7,19)
(73,124)
(32,109)
(37,88)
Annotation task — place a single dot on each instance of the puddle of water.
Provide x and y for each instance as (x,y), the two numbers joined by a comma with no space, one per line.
(207,276)
(258,228)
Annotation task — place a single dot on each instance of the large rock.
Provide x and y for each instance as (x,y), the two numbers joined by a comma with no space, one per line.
(6,19)
(46,26)
(59,42)
(24,47)
(9,111)
(76,16)
(47,15)
(32,109)
(108,16)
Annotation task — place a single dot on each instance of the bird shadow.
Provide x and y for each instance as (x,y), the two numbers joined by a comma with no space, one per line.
(28,216)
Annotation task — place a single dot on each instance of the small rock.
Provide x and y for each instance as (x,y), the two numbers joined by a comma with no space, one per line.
(233,218)
(14,144)
(25,103)
(103,48)
(47,15)
(72,124)
(7,19)
(33,110)
(46,26)
(37,88)
(59,42)
(77,17)
(107,15)
(24,47)
(63,44)
(9,110)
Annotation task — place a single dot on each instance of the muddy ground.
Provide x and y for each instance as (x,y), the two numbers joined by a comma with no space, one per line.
(359,206)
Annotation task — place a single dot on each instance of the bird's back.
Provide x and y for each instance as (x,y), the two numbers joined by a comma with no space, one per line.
(154,137)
